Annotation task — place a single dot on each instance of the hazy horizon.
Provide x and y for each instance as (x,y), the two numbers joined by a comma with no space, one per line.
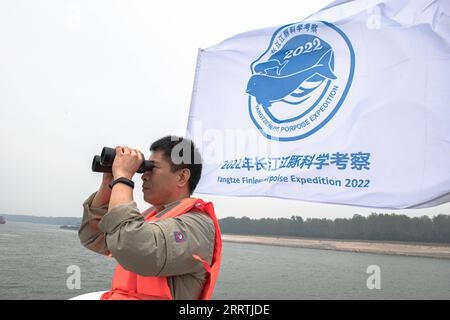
(365,214)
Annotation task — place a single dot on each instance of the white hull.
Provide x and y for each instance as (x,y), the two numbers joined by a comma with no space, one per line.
(89,296)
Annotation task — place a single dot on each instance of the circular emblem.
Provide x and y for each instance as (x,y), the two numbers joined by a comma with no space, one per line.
(300,82)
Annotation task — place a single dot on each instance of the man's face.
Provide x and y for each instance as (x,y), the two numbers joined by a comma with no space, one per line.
(160,185)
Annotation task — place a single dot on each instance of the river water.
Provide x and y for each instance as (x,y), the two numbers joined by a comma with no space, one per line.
(36,260)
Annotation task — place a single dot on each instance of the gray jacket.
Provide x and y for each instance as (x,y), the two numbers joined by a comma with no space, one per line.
(152,249)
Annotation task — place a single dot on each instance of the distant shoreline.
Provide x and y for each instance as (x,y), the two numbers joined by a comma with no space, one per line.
(414,249)
(432,250)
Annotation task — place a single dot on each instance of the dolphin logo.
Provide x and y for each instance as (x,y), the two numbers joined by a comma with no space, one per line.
(306,69)
(263,67)
(269,88)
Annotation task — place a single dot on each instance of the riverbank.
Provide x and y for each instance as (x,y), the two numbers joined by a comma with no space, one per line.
(391,248)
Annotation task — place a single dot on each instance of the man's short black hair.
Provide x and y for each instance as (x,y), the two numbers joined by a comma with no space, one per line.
(181,153)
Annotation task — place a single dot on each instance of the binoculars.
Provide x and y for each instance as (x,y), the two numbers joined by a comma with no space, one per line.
(104,162)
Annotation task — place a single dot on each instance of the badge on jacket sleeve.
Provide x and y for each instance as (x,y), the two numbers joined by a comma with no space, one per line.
(179,236)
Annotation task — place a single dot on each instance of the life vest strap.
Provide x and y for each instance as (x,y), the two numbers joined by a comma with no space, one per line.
(203,262)
(122,294)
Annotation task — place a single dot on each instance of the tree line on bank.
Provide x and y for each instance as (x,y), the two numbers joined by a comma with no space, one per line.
(389,227)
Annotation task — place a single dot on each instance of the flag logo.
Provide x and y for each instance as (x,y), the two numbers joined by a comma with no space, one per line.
(298,84)
(179,236)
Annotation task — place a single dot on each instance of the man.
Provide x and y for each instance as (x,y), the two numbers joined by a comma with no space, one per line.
(173,249)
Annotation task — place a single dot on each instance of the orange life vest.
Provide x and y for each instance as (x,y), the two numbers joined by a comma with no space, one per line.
(127,285)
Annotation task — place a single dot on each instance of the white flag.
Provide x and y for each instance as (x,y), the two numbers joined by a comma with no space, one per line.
(349,106)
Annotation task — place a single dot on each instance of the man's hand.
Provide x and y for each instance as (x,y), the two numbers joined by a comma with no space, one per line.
(104,192)
(107,179)
(126,162)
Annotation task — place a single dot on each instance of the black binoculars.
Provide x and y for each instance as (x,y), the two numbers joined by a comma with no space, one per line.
(104,162)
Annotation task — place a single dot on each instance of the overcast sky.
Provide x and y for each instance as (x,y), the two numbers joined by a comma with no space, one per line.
(79,75)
